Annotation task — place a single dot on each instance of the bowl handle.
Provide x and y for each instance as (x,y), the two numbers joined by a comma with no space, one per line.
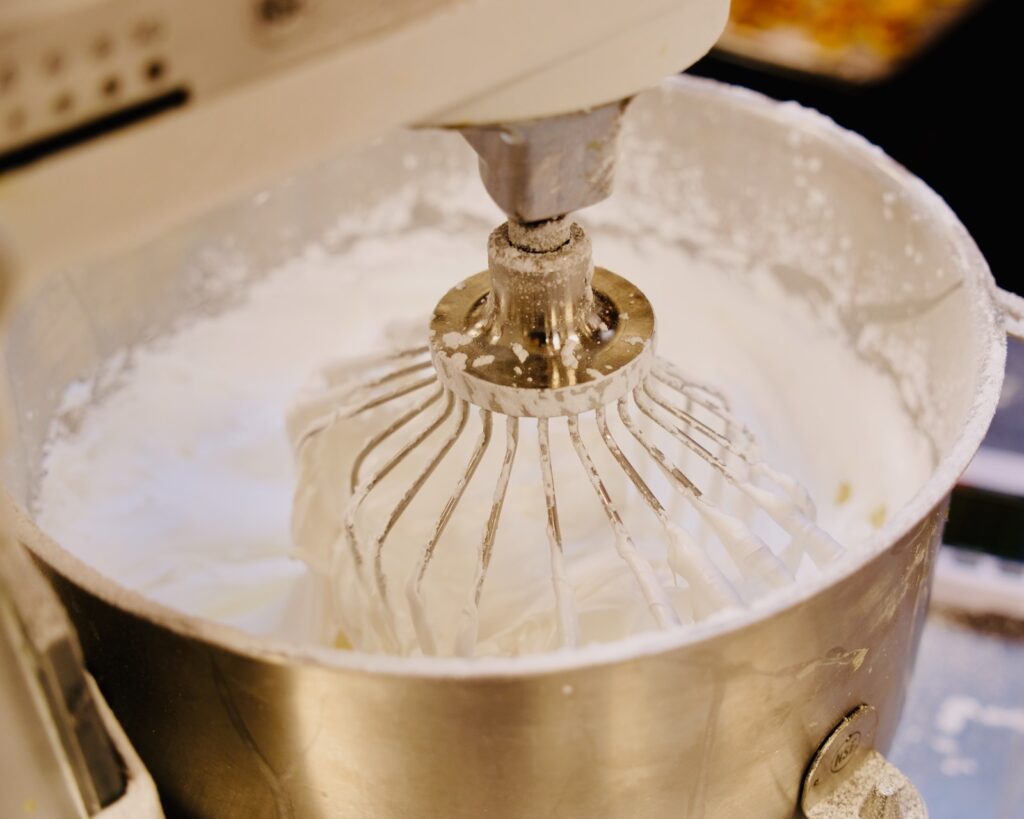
(1013,312)
(849,779)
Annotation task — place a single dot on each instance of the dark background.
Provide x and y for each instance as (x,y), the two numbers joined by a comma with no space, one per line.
(946,116)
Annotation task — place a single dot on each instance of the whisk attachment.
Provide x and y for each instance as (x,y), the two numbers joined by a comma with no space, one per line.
(542,334)
(625,496)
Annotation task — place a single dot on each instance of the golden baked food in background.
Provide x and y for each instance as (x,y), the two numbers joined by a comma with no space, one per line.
(857,40)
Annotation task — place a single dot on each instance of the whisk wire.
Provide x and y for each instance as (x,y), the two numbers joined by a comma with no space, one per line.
(387,432)
(363,490)
(565,606)
(654,593)
(711,588)
(414,587)
(748,552)
(410,494)
(468,631)
(787,512)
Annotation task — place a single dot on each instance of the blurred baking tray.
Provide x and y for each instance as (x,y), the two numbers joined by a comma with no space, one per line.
(850,41)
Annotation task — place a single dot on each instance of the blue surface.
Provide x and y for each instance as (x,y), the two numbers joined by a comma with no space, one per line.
(961,740)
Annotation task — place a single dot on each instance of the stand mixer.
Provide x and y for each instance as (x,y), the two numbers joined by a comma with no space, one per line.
(209,100)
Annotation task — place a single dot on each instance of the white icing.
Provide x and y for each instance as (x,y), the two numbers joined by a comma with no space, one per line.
(568,355)
(179,482)
(454,340)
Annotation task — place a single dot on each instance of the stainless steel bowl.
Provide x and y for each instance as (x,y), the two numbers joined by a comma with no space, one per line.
(716,721)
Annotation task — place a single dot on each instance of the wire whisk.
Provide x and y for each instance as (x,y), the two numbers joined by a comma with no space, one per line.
(621,496)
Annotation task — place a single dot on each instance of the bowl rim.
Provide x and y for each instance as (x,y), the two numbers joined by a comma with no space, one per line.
(969,262)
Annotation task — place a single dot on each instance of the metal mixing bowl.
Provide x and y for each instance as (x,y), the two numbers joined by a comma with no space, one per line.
(719,720)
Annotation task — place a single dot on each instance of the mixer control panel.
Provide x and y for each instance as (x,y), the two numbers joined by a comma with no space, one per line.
(72,72)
